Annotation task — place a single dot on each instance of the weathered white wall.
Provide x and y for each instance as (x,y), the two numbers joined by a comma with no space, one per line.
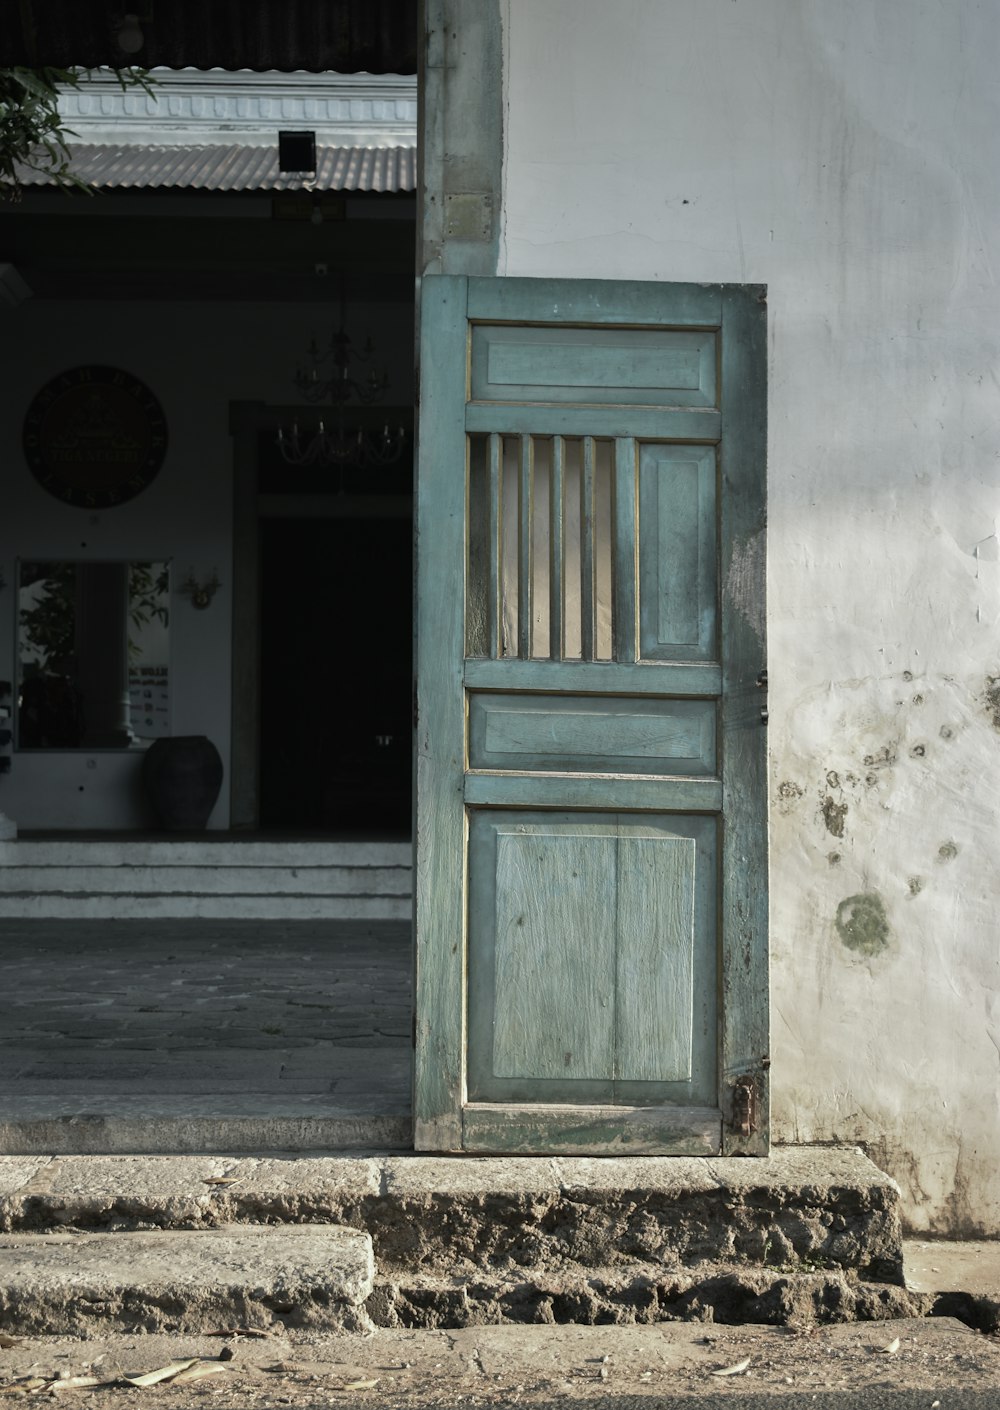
(196,358)
(846,154)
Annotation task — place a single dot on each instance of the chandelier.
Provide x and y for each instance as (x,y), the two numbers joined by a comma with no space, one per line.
(328,378)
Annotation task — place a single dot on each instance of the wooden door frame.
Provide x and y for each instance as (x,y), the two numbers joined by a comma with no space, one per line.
(459,137)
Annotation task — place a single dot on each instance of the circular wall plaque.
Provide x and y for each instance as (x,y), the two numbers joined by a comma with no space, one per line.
(95,437)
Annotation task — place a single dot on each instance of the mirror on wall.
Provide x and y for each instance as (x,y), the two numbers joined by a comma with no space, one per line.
(93,654)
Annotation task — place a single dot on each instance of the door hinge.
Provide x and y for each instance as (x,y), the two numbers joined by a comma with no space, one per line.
(744,1121)
(761,684)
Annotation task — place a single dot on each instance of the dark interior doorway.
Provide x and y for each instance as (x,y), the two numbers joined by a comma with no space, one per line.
(335,673)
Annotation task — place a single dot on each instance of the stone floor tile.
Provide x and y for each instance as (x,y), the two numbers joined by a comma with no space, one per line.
(673,1173)
(416,1175)
(306,1177)
(90,1189)
(802,1167)
(16,1171)
(153,1008)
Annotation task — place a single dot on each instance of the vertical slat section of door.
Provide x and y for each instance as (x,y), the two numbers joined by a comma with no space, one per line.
(495,472)
(557,598)
(440,727)
(624,631)
(587,604)
(525,538)
(744,747)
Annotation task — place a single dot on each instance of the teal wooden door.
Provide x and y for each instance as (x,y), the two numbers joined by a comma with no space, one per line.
(591,864)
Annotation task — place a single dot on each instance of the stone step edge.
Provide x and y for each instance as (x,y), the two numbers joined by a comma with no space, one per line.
(638,1295)
(213,905)
(148,1128)
(468,1213)
(633,1296)
(25,851)
(257,1276)
(184,893)
(75,881)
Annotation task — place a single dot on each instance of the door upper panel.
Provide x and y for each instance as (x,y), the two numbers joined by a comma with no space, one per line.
(593,365)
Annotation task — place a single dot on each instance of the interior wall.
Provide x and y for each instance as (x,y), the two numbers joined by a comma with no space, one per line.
(845,155)
(196,358)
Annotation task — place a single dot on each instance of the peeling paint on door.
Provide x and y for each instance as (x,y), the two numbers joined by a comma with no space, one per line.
(745,571)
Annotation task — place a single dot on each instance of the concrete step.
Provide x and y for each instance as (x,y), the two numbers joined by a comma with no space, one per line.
(802,1210)
(122,851)
(636,1294)
(68,1124)
(324,1277)
(196,1282)
(206,906)
(205,879)
(228,880)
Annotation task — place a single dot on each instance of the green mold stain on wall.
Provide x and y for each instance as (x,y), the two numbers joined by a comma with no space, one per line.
(834,815)
(862,923)
(991,700)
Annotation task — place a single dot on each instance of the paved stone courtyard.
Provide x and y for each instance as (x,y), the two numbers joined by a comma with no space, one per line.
(169,1017)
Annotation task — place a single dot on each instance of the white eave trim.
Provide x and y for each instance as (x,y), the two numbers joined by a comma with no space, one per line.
(190,107)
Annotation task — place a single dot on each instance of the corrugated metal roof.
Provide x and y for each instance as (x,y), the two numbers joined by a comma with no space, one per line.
(238,168)
(350,36)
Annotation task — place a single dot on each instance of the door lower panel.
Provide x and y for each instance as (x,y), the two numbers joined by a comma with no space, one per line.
(592,958)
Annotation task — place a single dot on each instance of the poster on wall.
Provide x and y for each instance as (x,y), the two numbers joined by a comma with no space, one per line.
(149,701)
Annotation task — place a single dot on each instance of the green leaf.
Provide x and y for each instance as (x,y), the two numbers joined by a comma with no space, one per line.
(32,134)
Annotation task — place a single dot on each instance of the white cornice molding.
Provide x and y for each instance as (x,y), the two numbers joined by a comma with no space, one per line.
(191,107)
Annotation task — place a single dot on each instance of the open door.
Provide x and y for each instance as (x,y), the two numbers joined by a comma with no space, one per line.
(591,864)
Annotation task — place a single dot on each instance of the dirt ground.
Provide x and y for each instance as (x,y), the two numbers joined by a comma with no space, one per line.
(491,1366)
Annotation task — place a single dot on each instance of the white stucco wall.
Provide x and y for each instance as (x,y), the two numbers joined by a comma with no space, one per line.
(196,358)
(846,154)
